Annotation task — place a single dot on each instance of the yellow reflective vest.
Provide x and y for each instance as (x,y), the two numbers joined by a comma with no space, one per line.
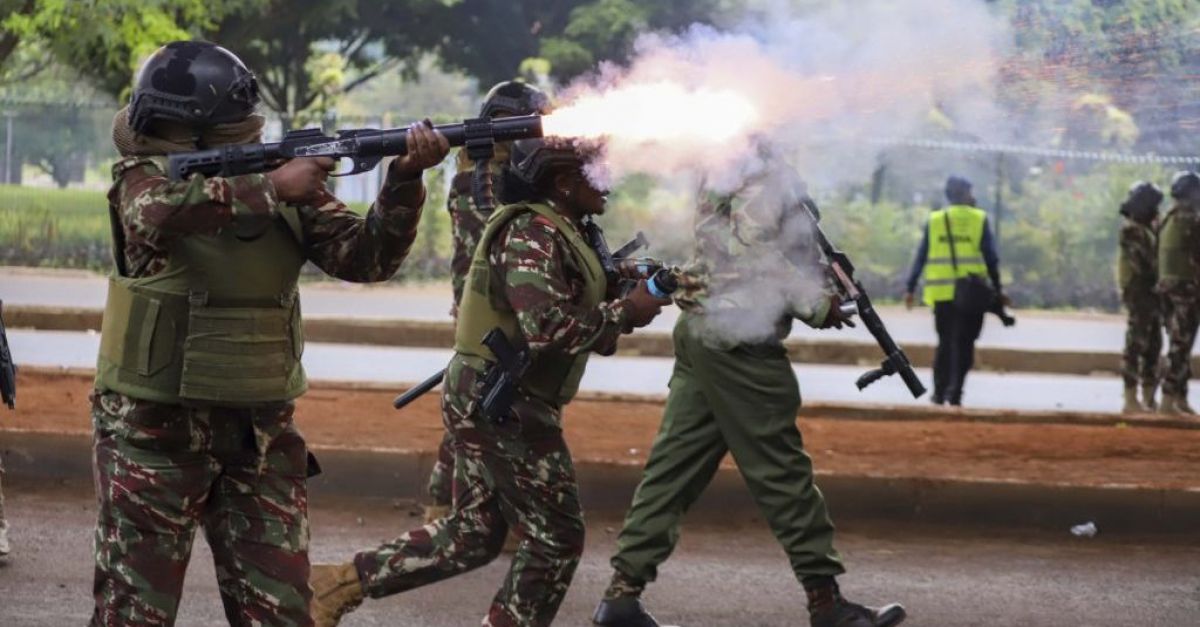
(966,223)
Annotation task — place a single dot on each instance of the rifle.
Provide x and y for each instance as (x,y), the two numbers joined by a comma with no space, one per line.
(8,370)
(894,361)
(621,266)
(501,380)
(660,280)
(366,147)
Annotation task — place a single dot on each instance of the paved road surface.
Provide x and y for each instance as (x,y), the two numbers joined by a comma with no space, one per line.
(638,375)
(1040,331)
(717,578)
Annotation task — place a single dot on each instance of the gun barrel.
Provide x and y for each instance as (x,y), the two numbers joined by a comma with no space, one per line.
(419,390)
(366,146)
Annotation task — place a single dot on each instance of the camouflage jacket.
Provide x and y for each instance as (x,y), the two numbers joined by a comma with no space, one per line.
(154,211)
(465,217)
(1139,253)
(740,257)
(543,284)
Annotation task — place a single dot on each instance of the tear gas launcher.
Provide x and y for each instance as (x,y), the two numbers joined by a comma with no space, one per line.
(365,147)
(894,361)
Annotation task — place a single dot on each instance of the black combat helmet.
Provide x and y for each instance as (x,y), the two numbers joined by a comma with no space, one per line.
(534,159)
(194,83)
(1142,202)
(958,190)
(514,98)
(1185,185)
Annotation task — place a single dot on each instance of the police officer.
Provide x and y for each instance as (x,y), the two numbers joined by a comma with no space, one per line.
(1137,277)
(733,390)
(473,194)
(973,252)
(533,276)
(1179,286)
(200,347)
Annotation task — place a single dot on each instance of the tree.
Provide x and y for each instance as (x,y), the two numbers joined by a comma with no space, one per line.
(105,39)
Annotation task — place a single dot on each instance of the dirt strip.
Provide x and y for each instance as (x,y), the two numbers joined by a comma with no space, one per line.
(341,416)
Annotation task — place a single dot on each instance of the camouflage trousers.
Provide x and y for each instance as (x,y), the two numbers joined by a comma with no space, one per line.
(1143,338)
(518,474)
(1181,309)
(2,518)
(441,478)
(161,471)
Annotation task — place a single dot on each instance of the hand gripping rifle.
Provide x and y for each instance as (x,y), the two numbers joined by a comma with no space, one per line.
(366,147)
(8,370)
(895,361)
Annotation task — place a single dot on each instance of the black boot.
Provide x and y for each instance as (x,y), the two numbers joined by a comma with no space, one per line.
(828,608)
(623,612)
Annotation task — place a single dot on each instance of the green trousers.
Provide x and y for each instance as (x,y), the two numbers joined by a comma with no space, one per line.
(742,400)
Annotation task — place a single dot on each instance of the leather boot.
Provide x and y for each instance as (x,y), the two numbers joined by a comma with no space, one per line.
(1132,406)
(1148,391)
(336,592)
(828,608)
(1173,405)
(623,612)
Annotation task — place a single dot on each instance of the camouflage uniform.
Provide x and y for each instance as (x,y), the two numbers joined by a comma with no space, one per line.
(517,474)
(467,224)
(1138,275)
(1179,286)
(163,469)
(732,395)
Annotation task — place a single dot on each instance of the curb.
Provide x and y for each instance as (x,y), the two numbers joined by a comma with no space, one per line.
(607,487)
(838,411)
(435,334)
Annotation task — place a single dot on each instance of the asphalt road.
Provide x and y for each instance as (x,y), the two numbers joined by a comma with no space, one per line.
(1035,330)
(640,375)
(718,577)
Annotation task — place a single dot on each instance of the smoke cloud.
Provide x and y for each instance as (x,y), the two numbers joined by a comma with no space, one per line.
(824,87)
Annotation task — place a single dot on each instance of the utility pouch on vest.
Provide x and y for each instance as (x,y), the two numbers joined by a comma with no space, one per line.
(139,339)
(238,354)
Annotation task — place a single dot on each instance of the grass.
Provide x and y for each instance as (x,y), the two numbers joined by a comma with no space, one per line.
(69,228)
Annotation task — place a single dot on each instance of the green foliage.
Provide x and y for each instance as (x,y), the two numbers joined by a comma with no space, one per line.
(105,39)
(54,227)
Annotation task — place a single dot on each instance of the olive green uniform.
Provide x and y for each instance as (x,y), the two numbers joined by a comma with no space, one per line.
(1137,276)
(738,397)
(1179,286)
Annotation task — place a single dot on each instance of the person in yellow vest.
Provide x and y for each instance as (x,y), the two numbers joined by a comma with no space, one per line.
(534,277)
(973,253)
(201,343)
(1179,286)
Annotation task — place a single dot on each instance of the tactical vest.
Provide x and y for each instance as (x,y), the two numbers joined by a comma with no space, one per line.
(967,224)
(220,325)
(1126,272)
(1176,239)
(552,376)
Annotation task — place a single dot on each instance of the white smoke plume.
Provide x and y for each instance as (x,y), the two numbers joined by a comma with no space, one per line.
(812,91)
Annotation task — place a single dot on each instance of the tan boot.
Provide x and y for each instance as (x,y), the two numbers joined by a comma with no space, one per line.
(1132,406)
(1175,406)
(336,592)
(1148,391)
(435,512)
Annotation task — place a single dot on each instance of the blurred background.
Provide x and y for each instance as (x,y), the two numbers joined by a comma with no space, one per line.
(1103,93)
